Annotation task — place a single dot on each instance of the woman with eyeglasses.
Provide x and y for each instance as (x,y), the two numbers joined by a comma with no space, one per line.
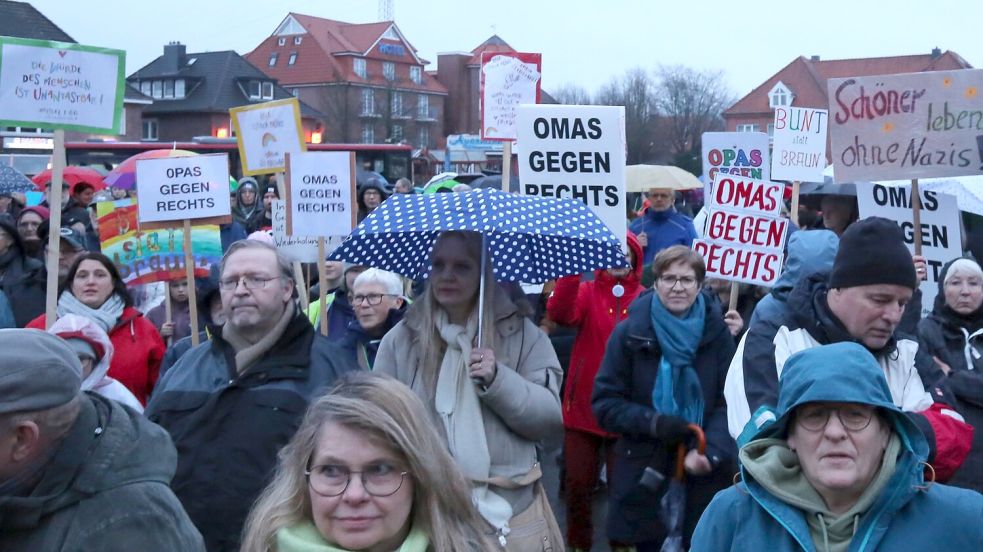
(377,298)
(837,466)
(953,335)
(365,471)
(94,289)
(664,370)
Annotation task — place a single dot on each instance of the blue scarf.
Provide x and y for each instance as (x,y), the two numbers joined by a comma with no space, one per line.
(677,388)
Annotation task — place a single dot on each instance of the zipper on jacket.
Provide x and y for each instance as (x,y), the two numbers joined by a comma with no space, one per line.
(573,382)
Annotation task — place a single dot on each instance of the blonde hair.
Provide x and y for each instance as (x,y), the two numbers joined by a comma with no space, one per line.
(388,412)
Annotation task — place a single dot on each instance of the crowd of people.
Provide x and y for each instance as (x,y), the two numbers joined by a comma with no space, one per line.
(823,413)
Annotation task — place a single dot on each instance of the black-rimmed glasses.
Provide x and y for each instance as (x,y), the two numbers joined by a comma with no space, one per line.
(852,417)
(372,299)
(251,282)
(333,480)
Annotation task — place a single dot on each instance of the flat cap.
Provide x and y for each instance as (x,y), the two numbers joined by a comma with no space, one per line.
(38,371)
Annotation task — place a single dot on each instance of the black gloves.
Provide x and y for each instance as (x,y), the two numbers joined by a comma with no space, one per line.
(669,429)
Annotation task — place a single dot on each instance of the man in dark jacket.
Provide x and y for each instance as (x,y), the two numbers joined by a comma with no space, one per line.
(231,403)
(78,471)
(861,300)
(22,278)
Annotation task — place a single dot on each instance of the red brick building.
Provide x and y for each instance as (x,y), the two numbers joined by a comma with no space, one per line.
(802,83)
(366,78)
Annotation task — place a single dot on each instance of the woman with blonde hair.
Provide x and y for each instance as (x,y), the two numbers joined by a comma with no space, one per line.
(365,471)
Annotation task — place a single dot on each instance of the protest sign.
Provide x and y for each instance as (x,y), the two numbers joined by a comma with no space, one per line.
(145,256)
(907,126)
(743,154)
(301,249)
(61,85)
(180,188)
(799,146)
(939,232)
(320,193)
(744,237)
(267,131)
(576,152)
(507,80)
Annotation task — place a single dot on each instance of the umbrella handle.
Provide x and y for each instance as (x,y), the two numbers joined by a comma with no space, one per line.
(701,447)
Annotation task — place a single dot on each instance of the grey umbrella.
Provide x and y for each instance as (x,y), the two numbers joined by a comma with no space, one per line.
(11,180)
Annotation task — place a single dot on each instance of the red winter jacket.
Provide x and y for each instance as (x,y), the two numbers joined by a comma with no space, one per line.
(593,309)
(139,350)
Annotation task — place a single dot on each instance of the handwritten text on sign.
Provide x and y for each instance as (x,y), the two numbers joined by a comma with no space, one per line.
(301,249)
(266,132)
(939,232)
(576,152)
(321,194)
(916,125)
(740,154)
(60,85)
(178,188)
(799,144)
(507,80)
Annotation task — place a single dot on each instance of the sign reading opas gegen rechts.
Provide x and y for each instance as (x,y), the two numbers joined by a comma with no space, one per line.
(576,152)
(320,193)
(61,85)
(799,147)
(266,132)
(179,188)
(739,154)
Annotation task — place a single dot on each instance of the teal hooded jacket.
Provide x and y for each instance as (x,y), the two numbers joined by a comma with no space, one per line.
(909,514)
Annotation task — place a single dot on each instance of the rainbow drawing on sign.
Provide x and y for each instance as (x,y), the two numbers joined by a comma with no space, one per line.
(268,139)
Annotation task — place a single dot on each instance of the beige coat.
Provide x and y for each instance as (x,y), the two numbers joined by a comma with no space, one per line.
(520,408)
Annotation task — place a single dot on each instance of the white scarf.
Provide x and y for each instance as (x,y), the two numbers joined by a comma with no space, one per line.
(459,408)
(105,316)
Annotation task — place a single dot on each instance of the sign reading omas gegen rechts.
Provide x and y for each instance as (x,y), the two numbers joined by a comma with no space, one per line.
(61,85)
(180,188)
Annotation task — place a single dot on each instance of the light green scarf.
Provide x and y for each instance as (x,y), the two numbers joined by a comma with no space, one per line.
(776,467)
(304,537)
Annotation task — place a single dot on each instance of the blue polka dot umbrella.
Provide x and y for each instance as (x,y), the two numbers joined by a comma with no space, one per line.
(529,239)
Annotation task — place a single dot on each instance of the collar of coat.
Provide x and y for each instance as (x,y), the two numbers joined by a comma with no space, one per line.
(288,358)
(641,332)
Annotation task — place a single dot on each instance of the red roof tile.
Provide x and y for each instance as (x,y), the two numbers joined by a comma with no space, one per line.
(494,44)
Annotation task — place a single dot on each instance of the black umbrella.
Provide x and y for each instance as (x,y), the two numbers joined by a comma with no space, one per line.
(495,181)
(364,178)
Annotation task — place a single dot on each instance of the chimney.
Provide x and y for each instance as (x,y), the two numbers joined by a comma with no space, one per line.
(174,57)
(814,58)
(936,53)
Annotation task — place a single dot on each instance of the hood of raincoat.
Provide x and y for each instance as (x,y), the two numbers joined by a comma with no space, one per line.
(808,253)
(73,325)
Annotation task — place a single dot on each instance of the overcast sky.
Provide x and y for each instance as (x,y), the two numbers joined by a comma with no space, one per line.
(585,42)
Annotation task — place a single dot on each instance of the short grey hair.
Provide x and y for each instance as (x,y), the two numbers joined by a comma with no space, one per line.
(286,269)
(389,281)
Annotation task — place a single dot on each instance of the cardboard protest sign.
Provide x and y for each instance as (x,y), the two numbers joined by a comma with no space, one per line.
(61,85)
(906,126)
(302,249)
(149,256)
(940,232)
(179,188)
(799,145)
(267,131)
(507,80)
(320,193)
(743,154)
(576,152)
(744,237)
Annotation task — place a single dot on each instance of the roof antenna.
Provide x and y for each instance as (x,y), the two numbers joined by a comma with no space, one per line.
(385,10)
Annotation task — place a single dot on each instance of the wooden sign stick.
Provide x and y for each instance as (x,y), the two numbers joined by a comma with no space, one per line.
(322,274)
(189,270)
(168,309)
(734,290)
(916,215)
(795,203)
(54,228)
(507,166)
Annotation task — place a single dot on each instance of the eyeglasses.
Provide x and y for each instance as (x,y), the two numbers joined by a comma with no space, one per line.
(333,480)
(372,299)
(251,282)
(852,417)
(669,282)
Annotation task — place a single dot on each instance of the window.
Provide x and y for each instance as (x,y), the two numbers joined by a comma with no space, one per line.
(282,41)
(292,59)
(297,40)
(368,133)
(423,107)
(267,90)
(149,129)
(771,129)
(416,75)
(780,96)
(145,88)
(747,128)
(368,102)
(424,137)
(397,133)
(158,89)
(397,104)
(179,88)
(273,57)
(360,67)
(168,88)
(295,91)
(253,88)
(389,70)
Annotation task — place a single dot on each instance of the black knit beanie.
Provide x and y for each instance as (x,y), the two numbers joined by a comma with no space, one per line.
(872,251)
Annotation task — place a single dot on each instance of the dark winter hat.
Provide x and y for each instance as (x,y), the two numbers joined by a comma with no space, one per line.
(872,251)
(38,371)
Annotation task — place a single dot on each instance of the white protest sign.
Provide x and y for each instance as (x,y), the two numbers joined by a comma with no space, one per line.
(743,154)
(320,190)
(179,188)
(266,132)
(744,238)
(799,147)
(940,233)
(905,126)
(302,249)
(61,85)
(508,79)
(576,152)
